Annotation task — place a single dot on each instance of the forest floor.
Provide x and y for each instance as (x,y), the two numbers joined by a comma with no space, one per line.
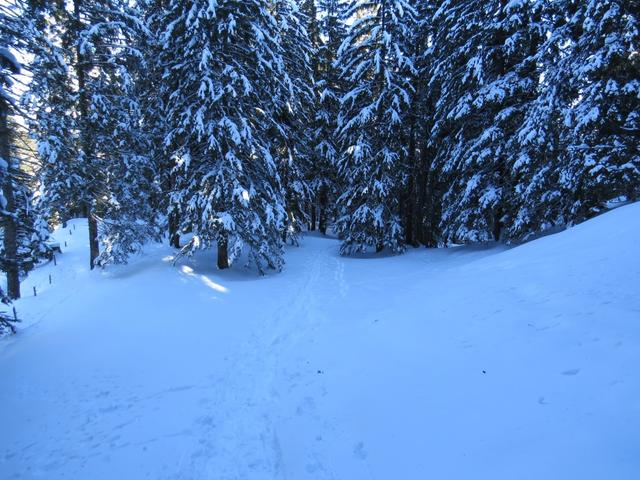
(463,363)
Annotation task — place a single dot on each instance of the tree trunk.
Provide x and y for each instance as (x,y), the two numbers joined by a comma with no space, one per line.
(9,224)
(312,224)
(410,194)
(94,246)
(223,253)
(409,201)
(497,224)
(425,193)
(174,235)
(323,210)
(499,210)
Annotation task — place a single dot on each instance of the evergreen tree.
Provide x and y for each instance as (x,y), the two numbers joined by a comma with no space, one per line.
(9,67)
(52,123)
(486,63)
(294,152)
(323,180)
(224,95)
(603,145)
(375,61)
(84,97)
(24,234)
(538,197)
(154,115)
(422,196)
(132,206)
(578,142)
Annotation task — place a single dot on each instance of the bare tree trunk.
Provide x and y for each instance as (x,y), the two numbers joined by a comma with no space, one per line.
(313,222)
(409,217)
(408,197)
(223,253)
(497,224)
(10,228)
(94,246)
(499,211)
(322,226)
(174,235)
(424,198)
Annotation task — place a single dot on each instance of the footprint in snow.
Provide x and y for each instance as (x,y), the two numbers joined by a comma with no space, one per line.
(359,451)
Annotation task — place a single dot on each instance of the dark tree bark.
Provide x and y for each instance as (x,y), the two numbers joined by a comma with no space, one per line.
(94,246)
(223,253)
(313,221)
(424,199)
(324,200)
(174,234)
(9,223)
(499,211)
(497,224)
(410,196)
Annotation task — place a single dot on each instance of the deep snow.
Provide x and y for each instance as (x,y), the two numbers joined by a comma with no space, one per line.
(466,363)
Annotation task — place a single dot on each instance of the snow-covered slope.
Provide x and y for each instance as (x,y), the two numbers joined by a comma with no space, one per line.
(465,363)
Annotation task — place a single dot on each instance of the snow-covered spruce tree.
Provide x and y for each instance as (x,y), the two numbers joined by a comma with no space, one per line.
(125,188)
(293,129)
(375,63)
(87,120)
(602,158)
(454,26)
(131,210)
(537,200)
(323,180)
(9,67)
(223,95)
(579,140)
(51,100)
(154,121)
(422,194)
(309,17)
(23,233)
(486,63)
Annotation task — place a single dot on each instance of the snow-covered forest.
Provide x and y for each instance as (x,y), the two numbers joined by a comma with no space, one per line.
(313,170)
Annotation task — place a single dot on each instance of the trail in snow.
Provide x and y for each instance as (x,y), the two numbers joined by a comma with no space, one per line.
(487,363)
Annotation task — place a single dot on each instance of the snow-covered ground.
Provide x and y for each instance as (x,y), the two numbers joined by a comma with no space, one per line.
(467,363)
